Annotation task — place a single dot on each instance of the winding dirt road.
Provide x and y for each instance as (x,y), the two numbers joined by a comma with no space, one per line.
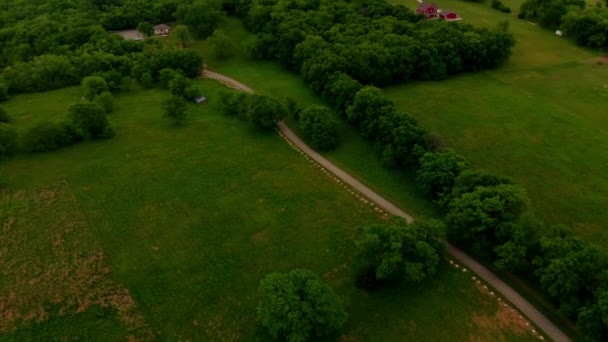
(511,295)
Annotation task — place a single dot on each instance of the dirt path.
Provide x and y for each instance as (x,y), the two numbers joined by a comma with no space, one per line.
(511,295)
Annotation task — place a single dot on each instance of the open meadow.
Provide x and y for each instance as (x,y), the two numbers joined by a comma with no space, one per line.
(164,233)
(540,119)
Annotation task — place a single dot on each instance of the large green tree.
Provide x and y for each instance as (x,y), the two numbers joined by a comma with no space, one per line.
(201,16)
(298,306)
(319,126)
(395,250)
(264,112)
(438,172)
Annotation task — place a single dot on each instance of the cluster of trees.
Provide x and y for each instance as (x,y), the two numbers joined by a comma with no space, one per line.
(340,48)
(371,41)
(298,306)
(588,26)
(263,112)
(317,124)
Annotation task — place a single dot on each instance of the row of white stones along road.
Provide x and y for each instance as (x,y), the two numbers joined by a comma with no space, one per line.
(382,212)
(500,301)
(330,175)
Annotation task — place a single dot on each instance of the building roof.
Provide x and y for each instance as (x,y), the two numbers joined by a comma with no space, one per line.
(446,12)
(425,5)
(161,27)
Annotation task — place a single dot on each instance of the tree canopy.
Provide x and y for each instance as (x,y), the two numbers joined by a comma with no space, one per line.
(297,306)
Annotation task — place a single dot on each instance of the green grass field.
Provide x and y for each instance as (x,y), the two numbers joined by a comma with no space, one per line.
(539,119)
(164,232)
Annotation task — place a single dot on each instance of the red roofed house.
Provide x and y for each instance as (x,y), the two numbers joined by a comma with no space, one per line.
(429,10)
(449,15)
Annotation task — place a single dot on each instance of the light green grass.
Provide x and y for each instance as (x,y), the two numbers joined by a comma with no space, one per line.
(539,119)
(189,219)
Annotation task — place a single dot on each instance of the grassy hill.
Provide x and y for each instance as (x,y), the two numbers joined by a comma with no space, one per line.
(539,119)
(164,233)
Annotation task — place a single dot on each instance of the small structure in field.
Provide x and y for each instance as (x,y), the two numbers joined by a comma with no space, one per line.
(201,100)
(559,33)
(429,10)
(162,30)
(448,15)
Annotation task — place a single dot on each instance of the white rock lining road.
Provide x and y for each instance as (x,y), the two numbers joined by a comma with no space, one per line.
(511,295)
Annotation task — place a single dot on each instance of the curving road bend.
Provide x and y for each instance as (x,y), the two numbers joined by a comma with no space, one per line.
(511,295)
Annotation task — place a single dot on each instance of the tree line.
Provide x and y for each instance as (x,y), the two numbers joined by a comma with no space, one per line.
(341,48)
(587,25)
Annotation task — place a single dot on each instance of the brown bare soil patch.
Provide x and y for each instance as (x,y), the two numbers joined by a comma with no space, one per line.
(503,318)
(50,259)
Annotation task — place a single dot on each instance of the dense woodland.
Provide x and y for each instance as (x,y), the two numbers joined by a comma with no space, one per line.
(587,25)
(345,50)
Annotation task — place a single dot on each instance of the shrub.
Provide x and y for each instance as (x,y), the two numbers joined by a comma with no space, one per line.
(49,136)
(8,140)
(192,92)
(146,80)
(178,85)
(438,172)
(175,110)
(91,119)
(297,306)
(4,118)
(318,125)
(106,101)
(93,86)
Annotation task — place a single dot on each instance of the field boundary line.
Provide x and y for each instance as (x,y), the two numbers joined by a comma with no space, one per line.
(484,273)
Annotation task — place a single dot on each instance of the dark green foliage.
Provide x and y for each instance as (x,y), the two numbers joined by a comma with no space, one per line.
(106,101)
(403,140)
(201,16)
(178,85)
(93,86)
(380,44)
(145,28)
(221,45)
(593,318)
(175,110)
(146,80)
(182,32)
(588,27)
(3,91)
(396,251)
(43,73)
(319,126)
(91,119)
(50,136)
(186,61)
(487,217)
(549,13)
(298,306)
(438,172)
(8,140)
(571,271)
(293,108)
(234,103)
(4,117)
(368,107)
(264,112)
(468,181)
(165,76)
(497,4)
(192,92)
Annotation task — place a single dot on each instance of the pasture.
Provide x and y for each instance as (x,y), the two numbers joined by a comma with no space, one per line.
(539,119)
(164,233)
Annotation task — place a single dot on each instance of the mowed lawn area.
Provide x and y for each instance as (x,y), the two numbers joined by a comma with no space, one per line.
(540,119)
(164,233)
